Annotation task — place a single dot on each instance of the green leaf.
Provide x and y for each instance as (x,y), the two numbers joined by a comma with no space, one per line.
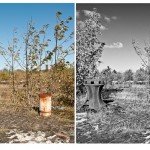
(70,18)
(41,32)
(59,13)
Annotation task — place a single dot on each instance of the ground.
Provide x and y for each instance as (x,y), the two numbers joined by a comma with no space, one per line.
(125,120)
(25,125)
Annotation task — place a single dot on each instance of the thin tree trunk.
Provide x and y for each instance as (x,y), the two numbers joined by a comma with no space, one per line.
(40,74)
(148,95)
(56,47)
(13,75)
(27,71)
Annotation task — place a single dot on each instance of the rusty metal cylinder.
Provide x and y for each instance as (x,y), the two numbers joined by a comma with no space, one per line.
(45,104)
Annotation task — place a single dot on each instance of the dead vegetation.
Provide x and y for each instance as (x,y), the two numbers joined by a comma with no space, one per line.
(18,114)
(38,66)
(28,119)
(123,121)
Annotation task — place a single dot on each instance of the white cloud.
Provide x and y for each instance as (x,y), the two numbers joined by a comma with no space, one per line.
(114,17)
(103,28)
(88,13)
(107,19)
(114,45)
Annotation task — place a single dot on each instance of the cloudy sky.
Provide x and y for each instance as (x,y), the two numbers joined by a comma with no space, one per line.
(121,23)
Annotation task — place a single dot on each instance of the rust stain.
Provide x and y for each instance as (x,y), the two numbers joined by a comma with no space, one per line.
(43,100)
(44,95)
(45,104)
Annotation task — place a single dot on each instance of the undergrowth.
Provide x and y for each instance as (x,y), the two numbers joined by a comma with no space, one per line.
(122,121)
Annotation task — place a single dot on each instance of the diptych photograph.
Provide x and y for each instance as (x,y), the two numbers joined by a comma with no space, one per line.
(74,73)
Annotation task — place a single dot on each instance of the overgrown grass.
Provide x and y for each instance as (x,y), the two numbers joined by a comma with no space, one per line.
(64,114)
(123,121)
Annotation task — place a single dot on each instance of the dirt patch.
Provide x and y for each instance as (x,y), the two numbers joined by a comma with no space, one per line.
(30,121)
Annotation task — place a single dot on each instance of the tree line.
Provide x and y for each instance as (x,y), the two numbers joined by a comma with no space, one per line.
(108,75)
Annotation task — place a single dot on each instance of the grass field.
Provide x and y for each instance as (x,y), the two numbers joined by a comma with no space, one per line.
(20,118)
(125,120)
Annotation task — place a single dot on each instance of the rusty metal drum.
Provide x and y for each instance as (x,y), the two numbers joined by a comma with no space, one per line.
(45,104)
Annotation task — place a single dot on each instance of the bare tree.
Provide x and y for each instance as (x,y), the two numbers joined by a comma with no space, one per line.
(144,54)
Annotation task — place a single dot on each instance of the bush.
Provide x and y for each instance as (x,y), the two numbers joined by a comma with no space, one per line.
(140,95)
(4,76)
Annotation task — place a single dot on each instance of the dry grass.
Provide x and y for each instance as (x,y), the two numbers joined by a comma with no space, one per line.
(19,115)
(123,121)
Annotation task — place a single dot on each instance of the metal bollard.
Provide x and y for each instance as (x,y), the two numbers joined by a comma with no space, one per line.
(94,88)
(45,104)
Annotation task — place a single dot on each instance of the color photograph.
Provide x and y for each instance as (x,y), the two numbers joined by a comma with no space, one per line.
(37,73)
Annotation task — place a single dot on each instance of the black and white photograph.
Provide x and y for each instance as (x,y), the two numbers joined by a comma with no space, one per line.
(113,73)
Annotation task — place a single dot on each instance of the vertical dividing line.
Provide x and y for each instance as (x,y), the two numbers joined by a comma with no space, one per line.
(149,74)
(75,74)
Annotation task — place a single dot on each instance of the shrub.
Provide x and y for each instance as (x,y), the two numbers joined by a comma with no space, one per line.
(4,76)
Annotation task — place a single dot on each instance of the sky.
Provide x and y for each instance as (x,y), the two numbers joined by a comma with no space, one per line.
(15,15)
(121,23)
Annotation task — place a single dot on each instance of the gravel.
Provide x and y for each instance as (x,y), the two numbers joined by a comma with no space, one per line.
(19,136)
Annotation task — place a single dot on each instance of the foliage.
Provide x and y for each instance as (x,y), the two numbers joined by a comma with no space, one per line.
(32,79)
(63,77)
(88,48)
(128,75)
(118,77)
(108,76)
(60,31)
(144,55)
(140,75)
(4,76)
